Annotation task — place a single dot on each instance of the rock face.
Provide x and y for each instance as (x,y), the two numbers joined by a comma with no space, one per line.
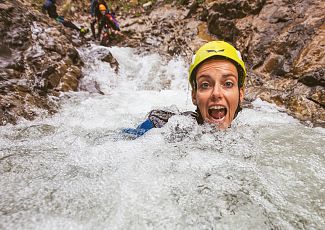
(283,44)
(36,62)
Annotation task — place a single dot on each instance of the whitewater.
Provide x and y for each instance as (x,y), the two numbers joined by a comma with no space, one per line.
(77,170)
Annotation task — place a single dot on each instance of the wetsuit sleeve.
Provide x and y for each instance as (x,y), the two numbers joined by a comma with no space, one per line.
(159,117)
(155,119)
(113,22)
(140,130)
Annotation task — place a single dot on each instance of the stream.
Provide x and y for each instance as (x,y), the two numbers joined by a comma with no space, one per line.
(77,170)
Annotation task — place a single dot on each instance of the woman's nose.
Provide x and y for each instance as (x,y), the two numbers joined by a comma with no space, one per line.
(216,91)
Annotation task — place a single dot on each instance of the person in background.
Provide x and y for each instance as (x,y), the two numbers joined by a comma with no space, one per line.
(217,78)
(109,21)
(50,7)
(96,15)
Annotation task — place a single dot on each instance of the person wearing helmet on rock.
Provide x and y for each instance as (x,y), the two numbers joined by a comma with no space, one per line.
(95,14)
(109,21)
(217,78)
(50,7)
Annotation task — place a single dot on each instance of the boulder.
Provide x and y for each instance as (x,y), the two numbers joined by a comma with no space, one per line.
(37,58)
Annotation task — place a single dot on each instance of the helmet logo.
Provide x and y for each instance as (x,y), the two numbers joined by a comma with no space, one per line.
(215,51)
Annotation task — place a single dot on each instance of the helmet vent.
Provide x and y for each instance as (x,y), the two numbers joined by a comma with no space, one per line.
(215,51)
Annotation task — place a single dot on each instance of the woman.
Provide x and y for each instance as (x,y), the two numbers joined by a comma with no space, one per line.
(217,76)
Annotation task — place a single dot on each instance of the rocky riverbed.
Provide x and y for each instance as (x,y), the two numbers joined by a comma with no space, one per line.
(282,43)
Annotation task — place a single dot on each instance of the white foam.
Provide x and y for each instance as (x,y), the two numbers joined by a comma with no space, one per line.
(75,170)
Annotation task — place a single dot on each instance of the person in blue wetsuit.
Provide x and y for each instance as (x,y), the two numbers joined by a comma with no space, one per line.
(217,77)
(50,7)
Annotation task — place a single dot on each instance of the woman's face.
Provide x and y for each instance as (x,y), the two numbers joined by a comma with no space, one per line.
(217,95)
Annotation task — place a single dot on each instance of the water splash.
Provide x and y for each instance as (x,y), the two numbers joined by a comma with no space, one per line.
(75,171)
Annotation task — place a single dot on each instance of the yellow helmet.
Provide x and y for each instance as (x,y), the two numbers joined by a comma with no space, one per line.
(102,7)
(217,49)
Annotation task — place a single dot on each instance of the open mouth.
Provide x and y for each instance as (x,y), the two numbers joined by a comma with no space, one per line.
(217,112)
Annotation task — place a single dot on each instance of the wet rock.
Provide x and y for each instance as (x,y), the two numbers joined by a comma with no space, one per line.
(314,78)
(36,57)
(312,54)
(5,51)
(274,65)
(73,54)
(69,82)
(51,78)
(317,95)
(134,2)
(223,28)
(112,61)
(299,105)
(5,117)
(147,5)
(192,9)
(281,43)
(236,9)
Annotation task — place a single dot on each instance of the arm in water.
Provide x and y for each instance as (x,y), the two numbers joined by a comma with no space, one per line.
(140,130)
(156,119)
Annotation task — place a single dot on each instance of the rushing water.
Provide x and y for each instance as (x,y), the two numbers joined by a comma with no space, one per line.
(76,171)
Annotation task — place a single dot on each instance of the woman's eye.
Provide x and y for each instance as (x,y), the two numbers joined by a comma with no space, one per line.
(229,84)
(204,85)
